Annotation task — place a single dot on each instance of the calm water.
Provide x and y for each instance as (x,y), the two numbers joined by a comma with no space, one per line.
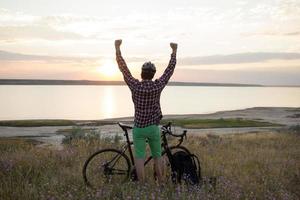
(99,102)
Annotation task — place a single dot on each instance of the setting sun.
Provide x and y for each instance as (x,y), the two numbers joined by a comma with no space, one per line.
(108,69)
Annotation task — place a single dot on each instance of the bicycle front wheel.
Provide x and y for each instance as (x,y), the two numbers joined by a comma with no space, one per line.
(106,166)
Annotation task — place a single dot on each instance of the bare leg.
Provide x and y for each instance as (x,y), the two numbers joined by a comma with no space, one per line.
(140,169)
(158,167)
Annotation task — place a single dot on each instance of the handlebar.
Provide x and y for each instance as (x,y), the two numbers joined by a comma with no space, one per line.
(166,129)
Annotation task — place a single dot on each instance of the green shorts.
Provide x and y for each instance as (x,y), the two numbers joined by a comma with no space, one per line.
(152,134)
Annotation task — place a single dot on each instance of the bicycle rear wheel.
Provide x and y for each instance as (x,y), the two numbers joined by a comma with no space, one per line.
(106,166)
(167,165)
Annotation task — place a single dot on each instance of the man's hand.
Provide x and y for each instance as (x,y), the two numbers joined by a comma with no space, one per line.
(173,46)
(118,44)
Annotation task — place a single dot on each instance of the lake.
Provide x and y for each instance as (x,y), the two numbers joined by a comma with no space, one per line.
(86,102)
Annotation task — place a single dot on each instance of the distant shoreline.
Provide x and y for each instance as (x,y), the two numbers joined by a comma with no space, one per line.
(280,115)
(93,82)
(250,120)
(121,83)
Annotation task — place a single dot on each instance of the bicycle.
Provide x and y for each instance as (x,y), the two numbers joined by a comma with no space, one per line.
(113,165)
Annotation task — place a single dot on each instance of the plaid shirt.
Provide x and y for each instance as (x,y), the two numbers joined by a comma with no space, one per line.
(146,93)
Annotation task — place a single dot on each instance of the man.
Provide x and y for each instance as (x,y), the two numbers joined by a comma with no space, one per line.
(147,115)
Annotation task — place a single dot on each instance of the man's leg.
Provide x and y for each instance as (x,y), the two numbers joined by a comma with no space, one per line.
(140,169)
(158,167)
(155,146)
(139,144)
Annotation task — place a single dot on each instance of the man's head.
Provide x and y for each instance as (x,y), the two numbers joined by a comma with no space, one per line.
(148,71)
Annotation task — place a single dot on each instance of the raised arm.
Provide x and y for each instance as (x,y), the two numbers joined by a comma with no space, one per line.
(130,81)
(172,63)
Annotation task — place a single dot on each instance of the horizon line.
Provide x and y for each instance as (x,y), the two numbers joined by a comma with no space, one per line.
(21,81)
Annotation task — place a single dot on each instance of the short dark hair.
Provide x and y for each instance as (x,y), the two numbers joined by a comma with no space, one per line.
(148,71)
(147,75)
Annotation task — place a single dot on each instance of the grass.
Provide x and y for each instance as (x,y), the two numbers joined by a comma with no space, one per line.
(36,123)
(218,123)
(185,123)
(249,166)
(53,122)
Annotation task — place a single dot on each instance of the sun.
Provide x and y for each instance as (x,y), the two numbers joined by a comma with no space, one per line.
(108,69)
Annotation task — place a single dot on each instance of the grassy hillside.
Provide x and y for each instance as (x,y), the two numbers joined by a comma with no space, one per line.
(186,123)
(250,166)
(37,123)
(218,123)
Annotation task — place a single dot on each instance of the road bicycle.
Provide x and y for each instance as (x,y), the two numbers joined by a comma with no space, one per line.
(117,165)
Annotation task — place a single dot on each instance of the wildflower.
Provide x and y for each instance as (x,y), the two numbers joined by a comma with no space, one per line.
(6,165)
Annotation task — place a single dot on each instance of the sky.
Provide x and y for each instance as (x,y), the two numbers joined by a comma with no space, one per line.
(229,41)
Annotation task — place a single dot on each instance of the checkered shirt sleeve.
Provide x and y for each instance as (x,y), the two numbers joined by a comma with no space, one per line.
(128,78)
(146,94)
(169,70)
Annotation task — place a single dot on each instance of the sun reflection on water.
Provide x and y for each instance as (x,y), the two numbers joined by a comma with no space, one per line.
(107,105)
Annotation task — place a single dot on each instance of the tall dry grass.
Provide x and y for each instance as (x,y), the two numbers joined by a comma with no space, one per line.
(250,166)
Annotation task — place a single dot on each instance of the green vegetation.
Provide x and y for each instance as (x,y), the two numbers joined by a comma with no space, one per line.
(185,123)
(36,123)
(88,135)
(13,144)
(248,166)
(218,123)
(77,133)
(53,122)
(294,129)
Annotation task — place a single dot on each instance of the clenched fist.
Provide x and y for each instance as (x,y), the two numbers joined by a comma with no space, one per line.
(173,46)
(118,43)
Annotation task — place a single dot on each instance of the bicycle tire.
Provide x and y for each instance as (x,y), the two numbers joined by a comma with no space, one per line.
(179,148)
(106,166)
(168,171)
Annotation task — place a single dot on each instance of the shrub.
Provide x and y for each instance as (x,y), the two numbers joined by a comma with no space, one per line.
(78,133)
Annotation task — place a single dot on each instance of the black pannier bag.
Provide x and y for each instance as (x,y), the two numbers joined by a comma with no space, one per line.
(187,167)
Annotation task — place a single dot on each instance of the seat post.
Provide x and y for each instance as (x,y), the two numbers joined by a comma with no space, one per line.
(125,129)
(129,146)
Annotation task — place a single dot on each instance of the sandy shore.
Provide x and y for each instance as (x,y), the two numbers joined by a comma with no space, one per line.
(281,115)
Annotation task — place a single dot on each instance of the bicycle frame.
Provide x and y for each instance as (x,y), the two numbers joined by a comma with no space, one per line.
(128,146)
(164,144)
(109,165)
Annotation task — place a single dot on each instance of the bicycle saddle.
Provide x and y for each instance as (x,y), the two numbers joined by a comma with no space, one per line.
(124,126)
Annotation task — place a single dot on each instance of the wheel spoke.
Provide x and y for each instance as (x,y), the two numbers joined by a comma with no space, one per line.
(119,171)
(106,166)
(117,157)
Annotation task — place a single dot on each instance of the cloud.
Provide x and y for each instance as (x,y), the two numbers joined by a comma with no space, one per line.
(8,17)
(288,9)
(197,60)
(273,33)
(36,32)
(10,56)
(279,18)
(282,10)
(293,33)
(22,26)
(268,77)
(238,58)
(64,19)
